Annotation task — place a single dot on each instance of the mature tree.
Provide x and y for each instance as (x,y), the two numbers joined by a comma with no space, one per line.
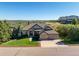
(4,31)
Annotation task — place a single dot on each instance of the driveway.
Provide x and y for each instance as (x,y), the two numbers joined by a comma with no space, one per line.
(38,51)
(52,43)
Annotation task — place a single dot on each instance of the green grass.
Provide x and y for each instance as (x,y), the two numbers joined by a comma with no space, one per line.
(21,42)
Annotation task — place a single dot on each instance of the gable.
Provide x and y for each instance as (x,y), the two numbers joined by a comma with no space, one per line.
(36,27)
(47,28)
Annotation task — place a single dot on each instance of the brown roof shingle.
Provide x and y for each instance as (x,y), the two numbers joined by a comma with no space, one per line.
(30,25)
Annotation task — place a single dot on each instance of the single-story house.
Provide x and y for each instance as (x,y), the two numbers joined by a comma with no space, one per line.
(40,32)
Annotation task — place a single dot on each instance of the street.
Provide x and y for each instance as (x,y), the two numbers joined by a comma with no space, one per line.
(38,51)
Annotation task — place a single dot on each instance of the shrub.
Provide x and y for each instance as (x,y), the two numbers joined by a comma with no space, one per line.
(63,30)
(68,31)
(74,34)
(75,21)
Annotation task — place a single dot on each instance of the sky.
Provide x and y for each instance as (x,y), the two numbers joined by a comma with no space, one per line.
(37,10)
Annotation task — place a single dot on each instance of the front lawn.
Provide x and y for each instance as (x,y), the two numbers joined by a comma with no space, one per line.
(21,42)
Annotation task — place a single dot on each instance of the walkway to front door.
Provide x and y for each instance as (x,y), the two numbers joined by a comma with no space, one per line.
(52,43)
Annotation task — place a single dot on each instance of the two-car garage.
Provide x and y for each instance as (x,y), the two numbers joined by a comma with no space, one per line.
(49,35)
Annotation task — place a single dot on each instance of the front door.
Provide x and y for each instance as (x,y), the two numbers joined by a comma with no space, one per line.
(36,35)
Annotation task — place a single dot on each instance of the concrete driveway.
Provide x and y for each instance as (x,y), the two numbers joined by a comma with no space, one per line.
(38,51)
(52,43)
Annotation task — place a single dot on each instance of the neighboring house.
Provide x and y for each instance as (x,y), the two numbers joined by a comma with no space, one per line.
(40,32)
(67,19)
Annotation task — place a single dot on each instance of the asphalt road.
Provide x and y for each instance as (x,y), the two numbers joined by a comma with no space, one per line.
(38,51)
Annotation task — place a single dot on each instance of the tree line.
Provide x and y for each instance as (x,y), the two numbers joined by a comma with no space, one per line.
(8,32)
